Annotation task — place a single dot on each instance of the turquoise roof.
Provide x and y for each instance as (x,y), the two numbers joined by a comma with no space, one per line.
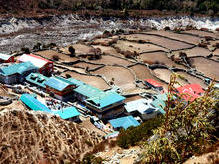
(68,112)
(160,105)
(88,90)
(58,83)
(105,99)
(19,68)
(76,82)
(33,103)
(37,79)
(124,122)
(162,97)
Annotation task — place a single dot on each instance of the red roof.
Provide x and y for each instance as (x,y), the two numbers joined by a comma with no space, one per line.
(193,91)
(153,82)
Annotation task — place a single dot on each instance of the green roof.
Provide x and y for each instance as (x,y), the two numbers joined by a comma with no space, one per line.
(17,68)
(68,112)
(33,103)
(88,91)
(160,105)
(76,82)
(105,99)
(37,79)
(58,83)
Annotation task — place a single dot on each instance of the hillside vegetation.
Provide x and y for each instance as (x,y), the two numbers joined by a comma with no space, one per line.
(194,6)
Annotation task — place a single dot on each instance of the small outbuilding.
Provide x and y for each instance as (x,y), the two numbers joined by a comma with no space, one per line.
(45,66)
(16,73)
(5,58)
(32,103)
(123,122)
(37,79)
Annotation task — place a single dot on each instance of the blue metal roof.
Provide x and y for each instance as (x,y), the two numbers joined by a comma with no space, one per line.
(58,83)
(33,103)
(37,79)
(67,112)
(105,99)
(76,82)
(160,105)
(88,91)
(124,122)
(17,68)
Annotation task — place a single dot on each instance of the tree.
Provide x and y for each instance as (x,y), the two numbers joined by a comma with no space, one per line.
(186,129)
(72,51)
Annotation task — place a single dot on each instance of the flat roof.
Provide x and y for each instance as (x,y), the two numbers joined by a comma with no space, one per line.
(37,79)
(88,90)
(153,82)
(124,122)
(33,103)
(17,68)
(68,112)
(34,59)
(58,83)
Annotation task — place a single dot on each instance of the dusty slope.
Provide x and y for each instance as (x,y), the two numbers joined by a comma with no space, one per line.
(33,137)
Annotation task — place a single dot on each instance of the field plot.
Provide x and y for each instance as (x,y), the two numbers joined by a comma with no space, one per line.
(202,33)
(132,98)
(181,37)
(158,57)
(122,76)
(165,74)
(105,41)
(216,52)
(91,80)
(88,66)
(161,41)
(80,49)
(140,48)
(192,79)
(208,67)
(197,51)
(108,50)
(110,60)
(62,57)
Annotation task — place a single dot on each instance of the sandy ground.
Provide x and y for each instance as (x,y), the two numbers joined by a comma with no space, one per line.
(208,67)
(197,51)
(91,80)
(86,65)
(108,50)
(167,43)
(62,57)
(181,37)
(123,77)
(202,33)
(111,60)
(161,57)
(140,48)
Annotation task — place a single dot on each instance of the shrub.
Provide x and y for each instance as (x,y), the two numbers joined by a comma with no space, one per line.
(203,45)
(67,76)
(72,51)
(90,158)
(55,57)
(167,28)
(25,50)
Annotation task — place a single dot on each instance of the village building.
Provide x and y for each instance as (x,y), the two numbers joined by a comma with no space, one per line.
(106,104)
(16,73)
(5,58)
(123,122)
(60,88)
(159,102)
(37,79)
(190,92)
(69,113)
(32,103)
(142,108)
(153,84)
(45,66)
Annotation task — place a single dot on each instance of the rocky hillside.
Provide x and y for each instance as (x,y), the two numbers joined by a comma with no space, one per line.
(27,136)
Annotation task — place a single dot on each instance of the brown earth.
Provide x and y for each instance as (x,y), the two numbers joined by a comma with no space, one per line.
(203,33)
(41,138)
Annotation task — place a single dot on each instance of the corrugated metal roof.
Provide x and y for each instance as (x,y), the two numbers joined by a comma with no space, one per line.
(4,56)
(33,103)
(124,122)
(37,79)
(76,82)
(17,68)
(153,82)
(160,104)
(140,105)
(105,99)
(68,112)
(58,83)
(88,90)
